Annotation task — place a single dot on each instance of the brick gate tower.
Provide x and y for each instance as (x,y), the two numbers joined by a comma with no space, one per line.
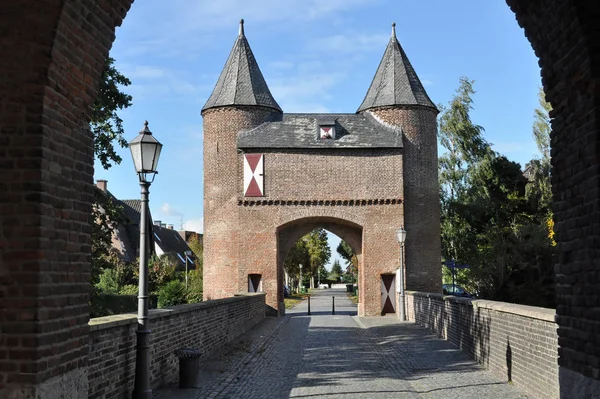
(270,178)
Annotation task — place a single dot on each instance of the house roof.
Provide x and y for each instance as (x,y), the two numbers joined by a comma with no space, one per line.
(301,131)
(171,242)
(132,211)
(395,82)
(241,81)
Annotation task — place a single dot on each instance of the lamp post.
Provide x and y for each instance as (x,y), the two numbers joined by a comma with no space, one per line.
(145,150)
(187,253)
(401,236)
(300,282)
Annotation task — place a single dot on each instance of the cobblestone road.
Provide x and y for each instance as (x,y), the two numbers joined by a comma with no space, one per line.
(342,356)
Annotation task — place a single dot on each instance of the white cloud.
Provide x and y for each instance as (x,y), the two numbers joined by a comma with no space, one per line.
(426,82)
(196,225)
(167,210)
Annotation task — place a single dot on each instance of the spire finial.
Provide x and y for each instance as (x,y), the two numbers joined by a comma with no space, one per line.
(393,29)
(241,27)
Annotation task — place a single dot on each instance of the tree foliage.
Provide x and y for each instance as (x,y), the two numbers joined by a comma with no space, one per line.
(487,219)
(336,271)
(346,252)
(107,128)
(106,125)
(318,250)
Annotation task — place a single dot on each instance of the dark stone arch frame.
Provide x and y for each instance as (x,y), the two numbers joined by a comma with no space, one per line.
(49,76)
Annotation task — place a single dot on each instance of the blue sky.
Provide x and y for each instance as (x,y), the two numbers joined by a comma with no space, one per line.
(316,56)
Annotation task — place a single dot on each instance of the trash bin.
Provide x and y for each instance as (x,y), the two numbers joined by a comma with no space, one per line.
(349,288)
(188,366)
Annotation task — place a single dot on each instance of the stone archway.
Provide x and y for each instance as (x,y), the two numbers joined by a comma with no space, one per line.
(49,78)
(52,54)
(289,233)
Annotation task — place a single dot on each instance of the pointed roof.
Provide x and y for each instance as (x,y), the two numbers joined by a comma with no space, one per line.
(241,82)
(395,82)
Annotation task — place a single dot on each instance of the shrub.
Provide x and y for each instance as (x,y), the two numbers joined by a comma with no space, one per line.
(194,291)
(129,289)
(173,293)
(108,282)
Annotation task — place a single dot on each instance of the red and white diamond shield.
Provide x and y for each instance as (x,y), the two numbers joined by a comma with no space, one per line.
(387,294)
(253,175)
(326,132)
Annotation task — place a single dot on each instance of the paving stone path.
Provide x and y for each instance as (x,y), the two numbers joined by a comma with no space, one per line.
(342,356)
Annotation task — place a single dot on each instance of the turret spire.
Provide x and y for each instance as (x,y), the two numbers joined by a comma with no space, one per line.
(241,82)
(395,82)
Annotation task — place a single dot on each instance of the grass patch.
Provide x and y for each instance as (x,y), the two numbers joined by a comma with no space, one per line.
(353,298)
(293,300)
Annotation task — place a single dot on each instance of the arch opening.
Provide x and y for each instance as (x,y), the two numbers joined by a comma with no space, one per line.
(291,251)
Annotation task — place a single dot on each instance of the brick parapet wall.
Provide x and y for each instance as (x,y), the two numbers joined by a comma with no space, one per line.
(207,326)
(516,342)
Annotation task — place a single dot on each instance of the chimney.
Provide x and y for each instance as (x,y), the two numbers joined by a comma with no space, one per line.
(102,185)
(170,227)
(157,223)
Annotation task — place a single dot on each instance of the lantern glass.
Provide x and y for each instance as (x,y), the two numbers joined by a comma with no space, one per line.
(401,235)
(145,151)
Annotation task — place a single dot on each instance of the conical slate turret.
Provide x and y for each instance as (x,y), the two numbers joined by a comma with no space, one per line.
(395,82)
(241,82)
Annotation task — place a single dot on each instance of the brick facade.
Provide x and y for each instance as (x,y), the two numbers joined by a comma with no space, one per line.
(207,326)
(516,342)
(357,193)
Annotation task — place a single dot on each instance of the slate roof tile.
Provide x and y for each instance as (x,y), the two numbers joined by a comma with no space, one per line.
(395,82)
(301,131)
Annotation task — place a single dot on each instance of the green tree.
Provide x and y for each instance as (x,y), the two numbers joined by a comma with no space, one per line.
(336,271)
(346,252)
(195,277)
(318,251)
(464,147)
(539,189)
(298,255)
(487,220)
(106,125)
(195,244)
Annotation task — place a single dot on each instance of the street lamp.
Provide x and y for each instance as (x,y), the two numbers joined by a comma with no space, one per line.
(187,253)
(145,150)
(401,236)
(300,283)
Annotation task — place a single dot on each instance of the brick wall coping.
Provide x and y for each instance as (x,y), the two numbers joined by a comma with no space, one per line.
(101,323)
(532,312)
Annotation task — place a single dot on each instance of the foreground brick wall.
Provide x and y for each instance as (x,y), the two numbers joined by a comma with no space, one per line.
(51,57)
(565,36)
(207,326)
(516,342)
